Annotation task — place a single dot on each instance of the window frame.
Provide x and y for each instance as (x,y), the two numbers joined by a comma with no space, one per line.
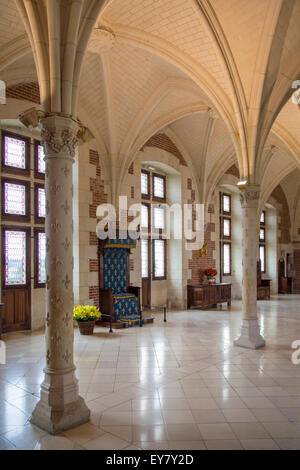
(146,229)
(159,278)
(223,236)
(11,169)
(222,211)
(38,220)
(230,258)
(156,198)
(263,271)
(27,230)
(14,217)
(149,258)
(37,285)
(37,174)
(146,196)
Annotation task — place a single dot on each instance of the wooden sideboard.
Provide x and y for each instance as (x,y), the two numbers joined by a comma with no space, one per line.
(208,295)
(1,318)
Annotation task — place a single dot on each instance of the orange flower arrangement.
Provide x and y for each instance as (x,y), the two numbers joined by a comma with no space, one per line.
(210,272)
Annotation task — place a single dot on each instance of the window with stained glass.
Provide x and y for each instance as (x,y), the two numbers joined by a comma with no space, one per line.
(14,199)
(262,234)
(15,257)
(263,217)
(145,183)
(41,202)
(145,258)
(226,202)
(41,258)
(226,259)
(226,227)
(41,164)
(158,187)
(145,216)
(14,152)
(159,259)
(262,257)
(159,217)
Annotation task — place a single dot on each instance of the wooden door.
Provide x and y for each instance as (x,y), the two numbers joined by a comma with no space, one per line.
(16,279)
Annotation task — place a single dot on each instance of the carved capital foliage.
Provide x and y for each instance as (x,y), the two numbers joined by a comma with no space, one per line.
(250,197)
(59,136)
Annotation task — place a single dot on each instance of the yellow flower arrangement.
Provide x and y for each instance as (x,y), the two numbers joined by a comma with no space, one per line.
(86,313)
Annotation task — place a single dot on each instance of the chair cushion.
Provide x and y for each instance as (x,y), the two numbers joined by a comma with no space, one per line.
(125,304)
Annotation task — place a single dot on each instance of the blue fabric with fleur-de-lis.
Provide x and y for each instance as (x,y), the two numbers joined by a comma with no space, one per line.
(115,279)
(115,269)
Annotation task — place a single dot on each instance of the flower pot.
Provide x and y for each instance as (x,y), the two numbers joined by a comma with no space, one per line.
(211,280)
(86,327)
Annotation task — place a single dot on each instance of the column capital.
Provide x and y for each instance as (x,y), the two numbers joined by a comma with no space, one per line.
(249,196)
(60,136)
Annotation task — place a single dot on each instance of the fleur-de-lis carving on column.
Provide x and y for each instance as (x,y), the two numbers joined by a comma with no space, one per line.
(67,356)
(66,170)
(48,356)
(48,321)
(67,319)
(56,338)
(56,188)
(66,282)
(57,263)
(66,244)
(66,207)
(56,226)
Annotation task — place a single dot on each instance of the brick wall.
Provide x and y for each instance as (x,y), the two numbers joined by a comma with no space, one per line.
(162,141)
(234,171)
(99,196)
(25,91)
(285,223)
(196,264)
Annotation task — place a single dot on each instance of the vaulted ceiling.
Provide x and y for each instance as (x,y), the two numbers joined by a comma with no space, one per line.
(215,75)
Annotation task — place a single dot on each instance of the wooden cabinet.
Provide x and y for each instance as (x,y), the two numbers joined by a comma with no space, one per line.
(208,295)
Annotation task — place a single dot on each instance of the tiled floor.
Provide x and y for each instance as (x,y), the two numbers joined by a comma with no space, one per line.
(179,385)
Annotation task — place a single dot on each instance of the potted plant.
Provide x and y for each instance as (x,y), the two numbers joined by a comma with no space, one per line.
(86,317)
(211,275)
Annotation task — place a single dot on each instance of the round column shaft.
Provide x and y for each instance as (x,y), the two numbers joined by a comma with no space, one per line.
(60,406)
(250,335)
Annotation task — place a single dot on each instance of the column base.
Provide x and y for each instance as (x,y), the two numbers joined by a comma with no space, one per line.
(250,336)
(54,420)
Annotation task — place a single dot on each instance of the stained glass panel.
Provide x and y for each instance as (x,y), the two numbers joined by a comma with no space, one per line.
(144,216)
(145,259)
(159,187)
(14,199)
(41,203)
(144,184)
(41,164)
(262,256)
(14,153)
(226,259)
(159,218)
(159,258)
(226,203)
(41,258)
(226,228)
(15,258)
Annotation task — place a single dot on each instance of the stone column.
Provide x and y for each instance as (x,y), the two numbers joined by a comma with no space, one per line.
(60,407)
(250,335)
